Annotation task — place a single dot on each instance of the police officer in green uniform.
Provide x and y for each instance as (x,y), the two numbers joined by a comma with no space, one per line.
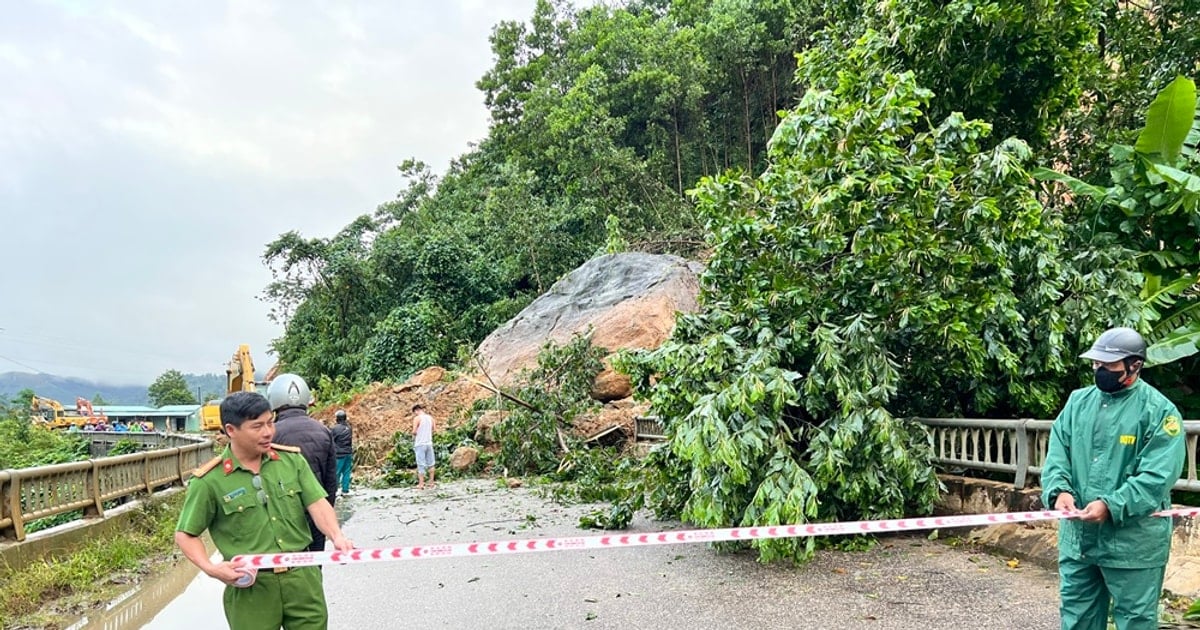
(252,499)
(1116,450)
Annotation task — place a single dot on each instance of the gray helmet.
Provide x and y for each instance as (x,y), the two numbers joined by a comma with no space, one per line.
(1115,344)
(288,390)
(340,415)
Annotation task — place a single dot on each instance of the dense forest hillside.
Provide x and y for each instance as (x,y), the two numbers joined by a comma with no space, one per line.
(605,117)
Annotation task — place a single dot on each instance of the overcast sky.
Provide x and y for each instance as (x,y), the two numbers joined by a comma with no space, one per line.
(150,150)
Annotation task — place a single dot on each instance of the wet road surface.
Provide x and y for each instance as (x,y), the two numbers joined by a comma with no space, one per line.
(906,582)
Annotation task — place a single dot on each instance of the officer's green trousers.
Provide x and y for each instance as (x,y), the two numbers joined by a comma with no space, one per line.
(294,600)
(1087,589)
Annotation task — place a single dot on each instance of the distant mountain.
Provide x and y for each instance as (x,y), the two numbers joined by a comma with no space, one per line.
(210,385)
(66,389)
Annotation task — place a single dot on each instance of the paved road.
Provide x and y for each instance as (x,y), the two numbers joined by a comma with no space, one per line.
(905,582)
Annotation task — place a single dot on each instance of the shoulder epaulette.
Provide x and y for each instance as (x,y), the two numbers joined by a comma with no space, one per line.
(285,448)
(203,469)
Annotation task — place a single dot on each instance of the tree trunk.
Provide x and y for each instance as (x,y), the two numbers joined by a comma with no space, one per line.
(678,157)
(746,118)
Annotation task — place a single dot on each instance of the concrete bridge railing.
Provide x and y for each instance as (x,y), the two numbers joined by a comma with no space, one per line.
(1005,446)
(1019,447)
(29,494)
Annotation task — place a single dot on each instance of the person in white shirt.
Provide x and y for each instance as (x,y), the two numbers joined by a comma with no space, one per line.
(423,445)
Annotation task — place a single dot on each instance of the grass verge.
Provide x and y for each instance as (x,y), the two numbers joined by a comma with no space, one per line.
(94,571)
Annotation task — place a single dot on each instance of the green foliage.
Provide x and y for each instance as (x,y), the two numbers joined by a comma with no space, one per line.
(170,388)
(597,112)
(1193,611)
(602,116)
(615,243)
(594,475)
(533,441)
(335,392)
(1168,121)
(883,266)
(24,446)
(1150,211)
(1141,48)
(1018,64)
(124,447)
(411,338)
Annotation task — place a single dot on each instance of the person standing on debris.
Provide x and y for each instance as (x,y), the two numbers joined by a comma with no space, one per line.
(423,444)
(343,446)
(289,397)
(1116,450)
(255,503)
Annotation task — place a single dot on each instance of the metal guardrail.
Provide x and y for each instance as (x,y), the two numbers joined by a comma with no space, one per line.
(1019,447)
(29,494)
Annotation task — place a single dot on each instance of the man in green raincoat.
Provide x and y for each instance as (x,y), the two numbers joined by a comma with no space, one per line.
(1116,450)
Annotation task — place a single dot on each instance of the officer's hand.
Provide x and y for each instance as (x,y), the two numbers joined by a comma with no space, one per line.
(226,572)
(341,543)
(1065,502)
(1094,512)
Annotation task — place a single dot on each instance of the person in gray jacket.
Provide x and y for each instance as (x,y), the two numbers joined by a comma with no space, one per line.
(343,446)
(289,396)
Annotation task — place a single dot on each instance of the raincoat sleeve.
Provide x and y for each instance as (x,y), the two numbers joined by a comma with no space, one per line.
(1157,469)
(1056,472)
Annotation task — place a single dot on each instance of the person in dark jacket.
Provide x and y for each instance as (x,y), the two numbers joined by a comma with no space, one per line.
(289,397)
(343,446)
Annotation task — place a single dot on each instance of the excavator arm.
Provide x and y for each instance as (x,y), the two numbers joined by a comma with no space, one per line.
(239,377)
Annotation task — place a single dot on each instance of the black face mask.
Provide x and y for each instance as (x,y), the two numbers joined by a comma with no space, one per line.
(1108,380)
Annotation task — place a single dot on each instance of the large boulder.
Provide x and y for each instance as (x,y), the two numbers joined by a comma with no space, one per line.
(611,385)
(629,299)
(487,424)
(463,458)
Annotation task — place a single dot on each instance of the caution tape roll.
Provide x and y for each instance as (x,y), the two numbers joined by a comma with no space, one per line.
(678,537)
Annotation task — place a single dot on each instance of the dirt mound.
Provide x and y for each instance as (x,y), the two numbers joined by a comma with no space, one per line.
(628,300)
(378,413)
(621,413)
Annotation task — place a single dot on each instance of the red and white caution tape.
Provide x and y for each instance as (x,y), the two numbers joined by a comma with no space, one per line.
(531,545)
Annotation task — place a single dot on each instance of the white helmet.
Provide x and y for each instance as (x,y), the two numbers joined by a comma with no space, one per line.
(288,390)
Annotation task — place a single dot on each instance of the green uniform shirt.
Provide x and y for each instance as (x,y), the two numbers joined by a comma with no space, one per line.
(243,520)
(1126,449)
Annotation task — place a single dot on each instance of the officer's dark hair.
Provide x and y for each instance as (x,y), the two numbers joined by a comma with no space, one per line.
(416,407)
(242,406)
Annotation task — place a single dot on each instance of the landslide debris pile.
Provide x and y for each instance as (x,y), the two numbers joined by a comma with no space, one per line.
(627,300)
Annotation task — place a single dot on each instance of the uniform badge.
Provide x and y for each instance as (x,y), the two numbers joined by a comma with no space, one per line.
(233,495)
(1171,425)
(1128,439)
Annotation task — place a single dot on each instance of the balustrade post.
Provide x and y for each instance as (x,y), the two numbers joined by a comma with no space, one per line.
(180,454)
(5,484)
(1190,470)
(1023,456)
(12,502)
(145,472)
(96,509)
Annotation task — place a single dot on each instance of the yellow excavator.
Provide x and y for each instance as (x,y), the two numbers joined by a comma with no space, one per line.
(51,413)
(239,377)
